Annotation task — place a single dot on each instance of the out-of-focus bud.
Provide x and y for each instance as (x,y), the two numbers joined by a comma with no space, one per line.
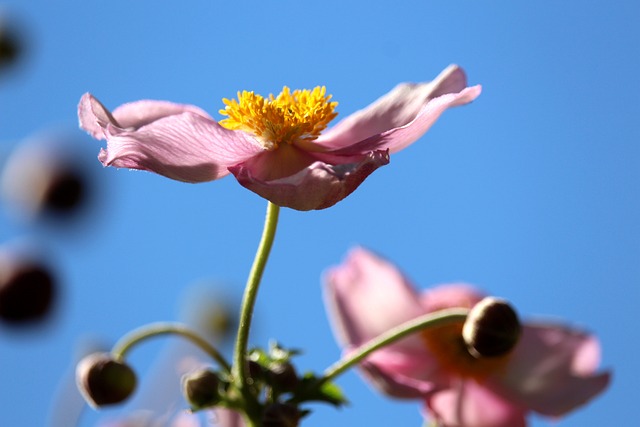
(103,380)
(27,288)
(211,310)
(12,43)
(280,415)
(491,329)
(45,177)
(201,388)
(282,376)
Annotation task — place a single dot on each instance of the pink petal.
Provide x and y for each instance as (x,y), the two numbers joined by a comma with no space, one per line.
(227,418)
(402,374)
(399,138)
(366,296)
(468,404)
(393,110)
(186,146)
(450,296)
(552,370)
(94,117)
(311,184)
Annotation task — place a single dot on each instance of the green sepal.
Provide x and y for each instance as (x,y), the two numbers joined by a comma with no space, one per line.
(311,389)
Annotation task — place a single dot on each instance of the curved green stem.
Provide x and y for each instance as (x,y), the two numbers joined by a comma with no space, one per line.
(431,320)
(239,369)
(166,328)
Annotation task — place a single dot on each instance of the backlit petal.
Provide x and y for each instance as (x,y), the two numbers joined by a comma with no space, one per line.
(185,146)
(468,404)
(552,370)
(366,296)
(399,138)
(395,109)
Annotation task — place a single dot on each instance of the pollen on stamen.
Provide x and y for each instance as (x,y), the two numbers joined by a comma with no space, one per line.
(290,117)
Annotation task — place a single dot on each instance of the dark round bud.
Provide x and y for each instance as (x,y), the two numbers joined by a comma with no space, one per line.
(200,388)
(27,290)
(282,376)
(103,380)
(280,415)
(492,328)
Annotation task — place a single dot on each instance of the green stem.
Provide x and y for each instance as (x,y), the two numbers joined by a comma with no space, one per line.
(239,369)
(166,328)
(431,320)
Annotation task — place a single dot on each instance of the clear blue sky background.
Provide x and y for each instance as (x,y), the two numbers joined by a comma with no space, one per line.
(531,192)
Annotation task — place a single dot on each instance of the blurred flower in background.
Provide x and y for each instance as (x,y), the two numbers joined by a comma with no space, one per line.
(552,369)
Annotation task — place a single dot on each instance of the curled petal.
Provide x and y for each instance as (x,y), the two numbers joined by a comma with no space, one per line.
(552,370)
(94,117)
(317,185)
(469,404)
(395,109)
(186,146)
(399,138)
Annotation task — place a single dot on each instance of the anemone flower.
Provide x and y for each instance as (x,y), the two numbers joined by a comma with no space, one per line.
(274,146)
(551,370)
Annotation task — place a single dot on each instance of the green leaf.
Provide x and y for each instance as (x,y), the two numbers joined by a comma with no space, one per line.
(310,389)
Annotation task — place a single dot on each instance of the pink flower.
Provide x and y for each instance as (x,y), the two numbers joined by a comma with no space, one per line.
(552,369)
(274,146)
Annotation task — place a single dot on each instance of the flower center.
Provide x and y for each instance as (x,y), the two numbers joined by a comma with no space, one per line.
(290,117)
(448,346)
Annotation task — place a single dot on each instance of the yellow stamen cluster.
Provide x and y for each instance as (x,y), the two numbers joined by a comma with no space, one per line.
(288,118)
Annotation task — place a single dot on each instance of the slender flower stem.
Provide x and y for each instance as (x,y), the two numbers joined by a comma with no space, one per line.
(239,369)
(430,320)
(166,328)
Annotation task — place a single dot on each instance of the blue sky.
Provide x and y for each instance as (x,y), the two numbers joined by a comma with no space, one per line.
(530,192)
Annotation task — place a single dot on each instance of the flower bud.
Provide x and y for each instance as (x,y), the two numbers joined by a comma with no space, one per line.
(280,415)
(27,289)
(491,329)
(200,388)
(103,380)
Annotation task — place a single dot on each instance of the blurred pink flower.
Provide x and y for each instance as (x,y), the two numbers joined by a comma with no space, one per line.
(551,371)
(274,146)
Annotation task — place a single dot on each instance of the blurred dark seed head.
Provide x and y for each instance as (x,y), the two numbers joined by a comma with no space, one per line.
(44,178)
(27,288)
(13,41)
